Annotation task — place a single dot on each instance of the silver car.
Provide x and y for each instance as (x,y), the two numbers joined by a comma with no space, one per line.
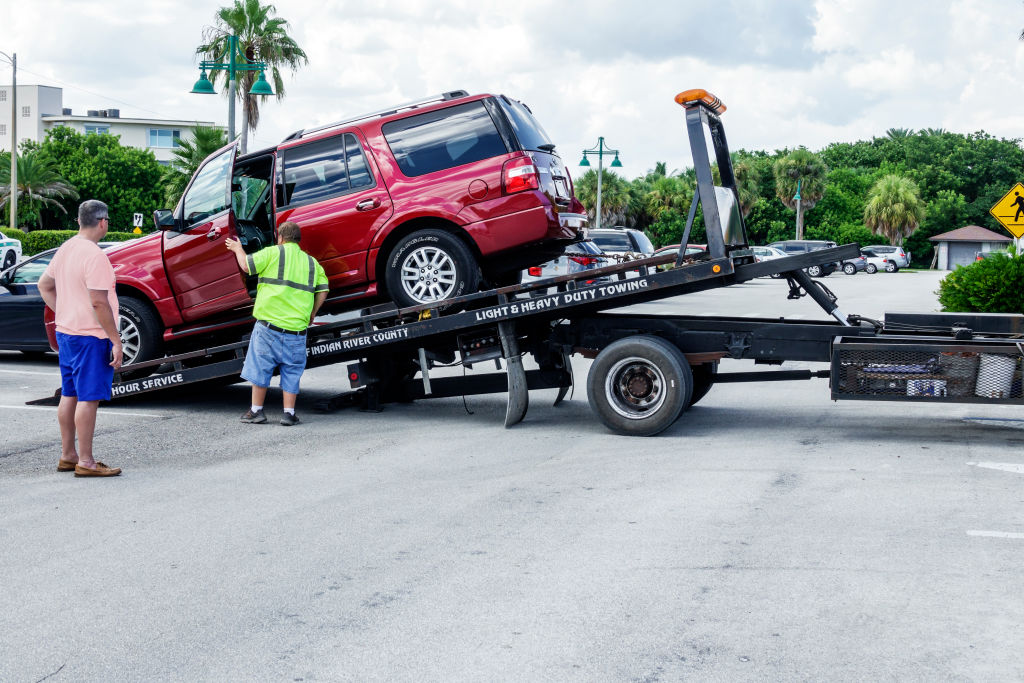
(577,258)
(897,255)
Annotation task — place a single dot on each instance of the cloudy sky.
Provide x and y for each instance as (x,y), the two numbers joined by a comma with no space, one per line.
(792,72)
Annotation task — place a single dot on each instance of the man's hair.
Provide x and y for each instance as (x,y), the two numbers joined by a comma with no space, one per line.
(290,231)
(91,212)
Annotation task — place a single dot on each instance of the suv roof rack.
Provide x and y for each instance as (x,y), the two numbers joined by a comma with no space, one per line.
(443,97)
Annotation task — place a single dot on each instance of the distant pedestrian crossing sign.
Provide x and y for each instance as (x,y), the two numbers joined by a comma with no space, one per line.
(1009,211)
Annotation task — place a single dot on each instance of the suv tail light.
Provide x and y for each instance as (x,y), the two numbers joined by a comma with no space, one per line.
(584,260)
(534,271)
(518,175)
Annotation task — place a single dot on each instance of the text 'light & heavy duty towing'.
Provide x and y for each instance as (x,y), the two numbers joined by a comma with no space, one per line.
(647,369)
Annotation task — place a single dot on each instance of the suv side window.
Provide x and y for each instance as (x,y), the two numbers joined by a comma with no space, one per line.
(443,139)
(209,194)
(322,169)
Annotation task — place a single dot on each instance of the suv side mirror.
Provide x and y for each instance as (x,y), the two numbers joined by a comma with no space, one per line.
(163,219)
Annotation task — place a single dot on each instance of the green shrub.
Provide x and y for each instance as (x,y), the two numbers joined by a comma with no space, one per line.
(41,240)
(992,285)
(14,234)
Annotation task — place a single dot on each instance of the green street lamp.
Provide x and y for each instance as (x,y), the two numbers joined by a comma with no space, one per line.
(600,151)
(204,87)
(13,60)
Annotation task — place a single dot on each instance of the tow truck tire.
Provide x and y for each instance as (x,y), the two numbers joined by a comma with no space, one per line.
(814,271)
(849,269)
(430,266)
(141,331)
(891,267)
(639,385)
(871,269)
(703,380)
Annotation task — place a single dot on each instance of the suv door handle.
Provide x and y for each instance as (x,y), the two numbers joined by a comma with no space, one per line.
(368,204)
(214,234)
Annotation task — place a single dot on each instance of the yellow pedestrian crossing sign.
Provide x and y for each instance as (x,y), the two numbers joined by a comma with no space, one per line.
(1009,211)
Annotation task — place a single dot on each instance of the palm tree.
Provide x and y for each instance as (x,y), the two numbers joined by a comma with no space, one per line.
(614,196)
(800,170)
(899,133)
(748,179)
(187,156)
(40,185)
(261,37)
(894,208)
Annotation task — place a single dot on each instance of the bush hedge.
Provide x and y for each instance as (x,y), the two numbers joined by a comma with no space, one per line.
(41,240)
(14,234)
(992,285)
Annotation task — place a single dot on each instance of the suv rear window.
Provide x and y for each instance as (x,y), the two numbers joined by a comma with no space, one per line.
(322,169)
(529,132)
(613,241)
(443,139)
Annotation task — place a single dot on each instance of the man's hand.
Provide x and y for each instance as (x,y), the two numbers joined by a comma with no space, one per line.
(234,245)
(118,353)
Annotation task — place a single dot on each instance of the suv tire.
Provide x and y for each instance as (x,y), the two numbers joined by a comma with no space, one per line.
(891,267)
(430,266)
(849,269)
(871,269)
(815,271)
(141,334)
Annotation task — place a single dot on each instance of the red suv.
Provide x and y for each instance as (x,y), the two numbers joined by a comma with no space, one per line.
(418,204)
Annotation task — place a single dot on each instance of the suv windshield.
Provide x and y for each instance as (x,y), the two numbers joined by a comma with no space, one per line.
(529,132)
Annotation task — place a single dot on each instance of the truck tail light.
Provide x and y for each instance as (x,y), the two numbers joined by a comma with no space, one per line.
(519,175)
(534,271)
(584,260)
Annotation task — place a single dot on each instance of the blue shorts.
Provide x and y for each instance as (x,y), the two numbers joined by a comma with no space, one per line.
(269,351)
(85,370)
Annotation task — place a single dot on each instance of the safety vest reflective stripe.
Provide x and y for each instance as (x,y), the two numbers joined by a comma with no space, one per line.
(280,279)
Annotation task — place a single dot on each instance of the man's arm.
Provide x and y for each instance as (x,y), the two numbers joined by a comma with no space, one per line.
(48,290)
(105,317)
(240,256)
(317,303)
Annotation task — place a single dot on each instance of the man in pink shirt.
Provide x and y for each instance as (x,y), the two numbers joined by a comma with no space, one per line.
(79,286)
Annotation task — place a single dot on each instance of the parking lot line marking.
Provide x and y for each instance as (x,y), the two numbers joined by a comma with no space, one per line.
(1003,466)
(105,411)
(996,534)
(29,372)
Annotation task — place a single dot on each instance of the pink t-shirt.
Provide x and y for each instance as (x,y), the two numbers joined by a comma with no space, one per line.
(78,266)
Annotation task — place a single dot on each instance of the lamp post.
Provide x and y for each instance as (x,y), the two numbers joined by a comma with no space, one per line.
(799,223)
(13,201)
(600,151)
(204,87)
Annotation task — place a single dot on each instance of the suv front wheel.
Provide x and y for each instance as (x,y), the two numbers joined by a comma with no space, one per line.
(430,266)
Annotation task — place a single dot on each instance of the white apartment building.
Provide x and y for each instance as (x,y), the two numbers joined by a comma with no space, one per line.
(40,108)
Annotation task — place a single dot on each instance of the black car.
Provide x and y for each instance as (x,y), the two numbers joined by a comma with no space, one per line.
(21,306)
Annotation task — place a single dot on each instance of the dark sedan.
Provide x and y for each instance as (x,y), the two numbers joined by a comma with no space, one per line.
(21,306)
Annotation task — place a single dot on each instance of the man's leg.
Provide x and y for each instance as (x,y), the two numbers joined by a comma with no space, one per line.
(85,425)
(259,395)
(66,420)
(289,400)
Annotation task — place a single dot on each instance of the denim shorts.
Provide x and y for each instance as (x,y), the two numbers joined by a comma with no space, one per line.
(85,370)
(269,351)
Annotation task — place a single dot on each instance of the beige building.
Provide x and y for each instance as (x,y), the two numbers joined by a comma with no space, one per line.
(40,108)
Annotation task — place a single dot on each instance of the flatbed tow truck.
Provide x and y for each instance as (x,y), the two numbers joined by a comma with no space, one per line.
(647,370)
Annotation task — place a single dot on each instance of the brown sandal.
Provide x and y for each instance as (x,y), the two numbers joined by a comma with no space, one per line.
(100,470)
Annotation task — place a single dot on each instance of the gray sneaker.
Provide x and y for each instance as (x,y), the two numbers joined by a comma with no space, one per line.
(287,419)
(256,418)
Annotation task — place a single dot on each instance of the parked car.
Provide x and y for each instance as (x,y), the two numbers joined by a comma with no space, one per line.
(674,249)
(579,257)
(895,254)
(876,262)
(852,266)
(21,306)
(768,254)
(621,241)
(791,247)
(417,203)
(982,255)
(10,251)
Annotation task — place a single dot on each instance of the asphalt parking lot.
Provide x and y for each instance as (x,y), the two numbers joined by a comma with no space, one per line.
(770,534)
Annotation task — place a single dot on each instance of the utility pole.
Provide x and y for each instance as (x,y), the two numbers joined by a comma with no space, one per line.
(13,201)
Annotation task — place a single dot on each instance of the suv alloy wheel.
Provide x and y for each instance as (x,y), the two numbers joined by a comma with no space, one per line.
(429,266)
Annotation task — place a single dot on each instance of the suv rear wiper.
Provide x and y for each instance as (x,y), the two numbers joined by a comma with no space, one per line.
(546,147)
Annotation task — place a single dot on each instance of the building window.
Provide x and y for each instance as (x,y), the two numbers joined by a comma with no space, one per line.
(3,95)
(3,129)
(163,137)
(26,112)
(96,130)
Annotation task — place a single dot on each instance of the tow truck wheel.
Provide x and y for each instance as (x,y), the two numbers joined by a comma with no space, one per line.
(430,266)
(871,269)
(141,334)
(639,385)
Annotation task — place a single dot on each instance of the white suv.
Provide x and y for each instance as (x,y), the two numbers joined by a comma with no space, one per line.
(897,254)
(10,251)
